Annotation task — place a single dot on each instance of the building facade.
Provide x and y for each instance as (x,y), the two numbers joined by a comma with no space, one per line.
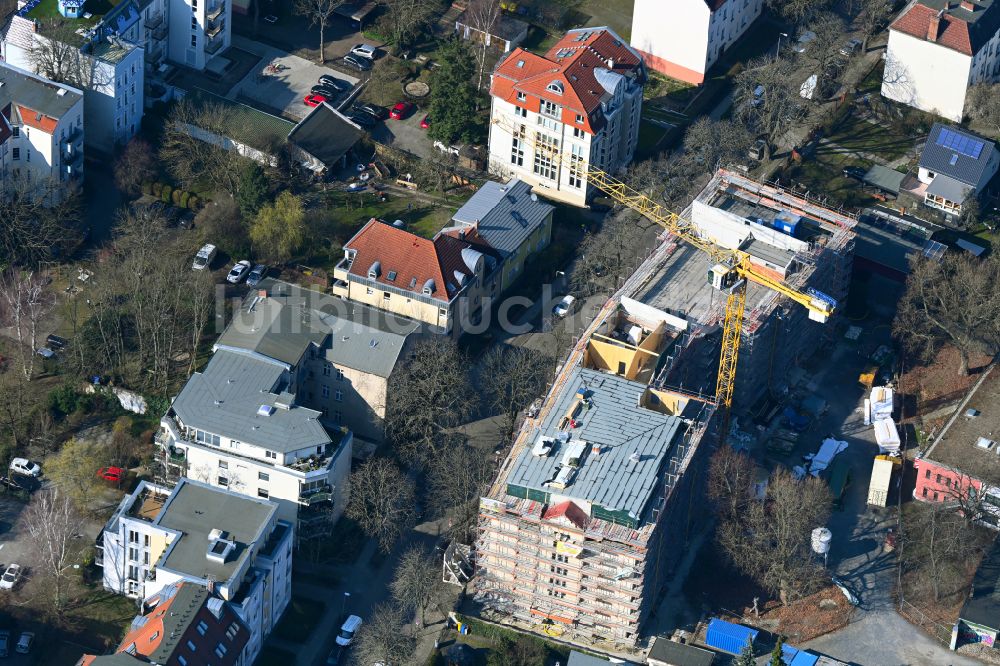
(41,133)
(444,282)
(937,49)
(234,546)
(555,116)
(684,38)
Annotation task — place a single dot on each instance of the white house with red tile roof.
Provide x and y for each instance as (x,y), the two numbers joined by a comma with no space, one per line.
(41,132)
(445,282)
(937,49)
(552,116)
(684,38)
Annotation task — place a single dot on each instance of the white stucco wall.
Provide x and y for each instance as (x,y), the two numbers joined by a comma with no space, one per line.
(673,31)
(926,75)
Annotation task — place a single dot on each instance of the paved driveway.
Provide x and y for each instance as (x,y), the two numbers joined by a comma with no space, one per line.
(406,134)
(283,91)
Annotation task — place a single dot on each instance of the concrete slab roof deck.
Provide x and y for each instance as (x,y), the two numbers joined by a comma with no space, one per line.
(621,427)
(224,400)
(195,509)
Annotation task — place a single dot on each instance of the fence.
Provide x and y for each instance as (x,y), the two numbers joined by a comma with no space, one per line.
(918,617)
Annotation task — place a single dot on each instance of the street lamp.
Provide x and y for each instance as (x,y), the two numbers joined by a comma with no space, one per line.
(777,51)
(343,609)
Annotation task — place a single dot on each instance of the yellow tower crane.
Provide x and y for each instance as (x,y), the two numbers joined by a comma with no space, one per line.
(731,271)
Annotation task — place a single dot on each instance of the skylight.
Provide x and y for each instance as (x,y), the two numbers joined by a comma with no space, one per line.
(391,276)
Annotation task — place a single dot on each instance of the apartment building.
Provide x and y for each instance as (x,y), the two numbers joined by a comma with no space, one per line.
(508,218)
(41,132)
(554,116)
(234,546)
(106,66)
(181,624)
(444,282)
(585,519)
(937,49)
(684,38)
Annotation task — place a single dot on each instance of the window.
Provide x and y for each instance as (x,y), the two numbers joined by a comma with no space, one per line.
(369,291)
(924,493)
(521,97)
(340,375)
(194,40)
(576,167)
(223,464)
(545,146)
(386,296)
(262,493)
(338,417)
(133,536)
(224,482)
(181,660)
(207,438)
(560,558)
(443,312)
(191,647)
(927,474)
(325,391)
(232,631)
(146,539)
(935,497)
(270,454)
(339,396)
(578,133)
(938,478)
(579,119)
(202,627)
(133,554)
(194,24)
(155,635)
(517,147)
(133,572)
(391,277)
(145,558)
(263,476)
(550,109)
(520,111)
(220,650)
(15,154)
(15,131)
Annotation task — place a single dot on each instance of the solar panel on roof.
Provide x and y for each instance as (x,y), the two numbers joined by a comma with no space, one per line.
(934,250)
(961,143)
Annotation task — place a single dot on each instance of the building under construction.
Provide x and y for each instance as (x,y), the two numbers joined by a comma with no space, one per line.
(806,245)
(593,507)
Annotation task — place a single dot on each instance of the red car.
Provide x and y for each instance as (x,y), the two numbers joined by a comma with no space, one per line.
(112,474)
(401,110)
(425,123)
(313,100)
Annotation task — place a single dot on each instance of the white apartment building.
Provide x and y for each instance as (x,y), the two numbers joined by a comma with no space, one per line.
(554,116)
(937,49)
(235,546)
(684,38)
(41,132)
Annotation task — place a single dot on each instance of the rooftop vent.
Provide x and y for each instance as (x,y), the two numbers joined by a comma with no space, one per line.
(984,443)
(635,458)
(61,92)
(543,446)
(215,606)
(215,534)
(220,549)
(265,410)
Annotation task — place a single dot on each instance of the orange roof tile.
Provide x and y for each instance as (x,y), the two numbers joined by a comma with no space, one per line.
(570,512)
(40,121)
(953,33)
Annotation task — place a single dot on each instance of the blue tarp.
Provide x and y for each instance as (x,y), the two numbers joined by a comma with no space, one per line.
(727,636)
(795,657)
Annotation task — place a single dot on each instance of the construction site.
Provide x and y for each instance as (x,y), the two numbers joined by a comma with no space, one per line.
(593,507)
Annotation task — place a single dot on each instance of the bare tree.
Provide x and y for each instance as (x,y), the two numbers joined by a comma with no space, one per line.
(608,257)
(766,98)
(37,219)
(871,19)
(454,484)
(24,304)
(715,143)
(983,105)
(512,377)
(382,638)
(56,55)
(938,545)
(770,538)
(416,584)
(952,301)
(382,499)
(730,484)
(405,18)
(798,11)
(135,165)
(823,51)
(483,16)
(319,13)
(429,395)
(52,525)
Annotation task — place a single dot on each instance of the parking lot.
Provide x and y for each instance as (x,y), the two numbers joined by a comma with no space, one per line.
(282,92)
(406,134)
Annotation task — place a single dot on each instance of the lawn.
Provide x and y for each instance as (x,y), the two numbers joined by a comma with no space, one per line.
(651,135)
(616,14)
(299,620)
(822,175)
(889,143)
(539,40)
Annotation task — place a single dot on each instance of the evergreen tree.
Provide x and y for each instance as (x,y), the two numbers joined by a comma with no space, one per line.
(776,659)
(453,95)
(252,190)
(746,656)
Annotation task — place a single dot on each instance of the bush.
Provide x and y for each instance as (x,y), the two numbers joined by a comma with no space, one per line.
(193,202)
(157,189)
(165,195)
(184,199)
(147,187)
(64,400)
(175,197)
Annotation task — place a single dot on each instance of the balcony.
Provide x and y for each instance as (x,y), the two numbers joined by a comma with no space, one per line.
(215,30)
(154,21)
(154,54)
(316,496)
(213,45)
(215,12)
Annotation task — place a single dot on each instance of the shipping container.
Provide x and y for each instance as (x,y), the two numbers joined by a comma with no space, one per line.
(727,636)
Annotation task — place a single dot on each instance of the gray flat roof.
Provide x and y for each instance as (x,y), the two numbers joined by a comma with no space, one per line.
(283,325)
(679,654)
(884,178)
(622,428)
(225,397)
(769,253)
(195,509)
(507,214)
(40,95)
(948,188)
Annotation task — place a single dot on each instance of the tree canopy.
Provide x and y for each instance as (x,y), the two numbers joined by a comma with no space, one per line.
(279,229)
(454,95)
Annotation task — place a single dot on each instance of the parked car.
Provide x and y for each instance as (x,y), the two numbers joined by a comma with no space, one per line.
(562,308)
(360,64)
(857,173)
(238,272)
(4,643)
(850,48)
(800,45)
(312,99)
(45,352)
(362,119)
(25,642)
(374,110)
(204,258)
(57,342)
(348,630)
(401,110)
(323,91)
(111,474)
(25,467)
(10,577)
(258,273)
(364,51)
(758,97)
(425,122)
(339,85)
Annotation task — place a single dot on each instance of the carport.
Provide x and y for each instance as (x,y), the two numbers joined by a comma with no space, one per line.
(885,179)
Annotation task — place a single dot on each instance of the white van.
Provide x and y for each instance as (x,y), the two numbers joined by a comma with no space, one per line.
(348,630)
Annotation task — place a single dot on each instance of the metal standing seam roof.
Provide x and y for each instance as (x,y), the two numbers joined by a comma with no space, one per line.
(224,400)
(23,88)
(765,252)
(938,158)
(193,510)
(728,636)
(616,422)
(507,214)
(884,178)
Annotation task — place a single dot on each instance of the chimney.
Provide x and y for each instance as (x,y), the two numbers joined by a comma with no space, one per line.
(933,26)
(611,63)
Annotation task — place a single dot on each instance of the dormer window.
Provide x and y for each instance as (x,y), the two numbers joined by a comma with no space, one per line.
(579,119)
(428,287)
(555,87)
(521,97)
(374,270)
